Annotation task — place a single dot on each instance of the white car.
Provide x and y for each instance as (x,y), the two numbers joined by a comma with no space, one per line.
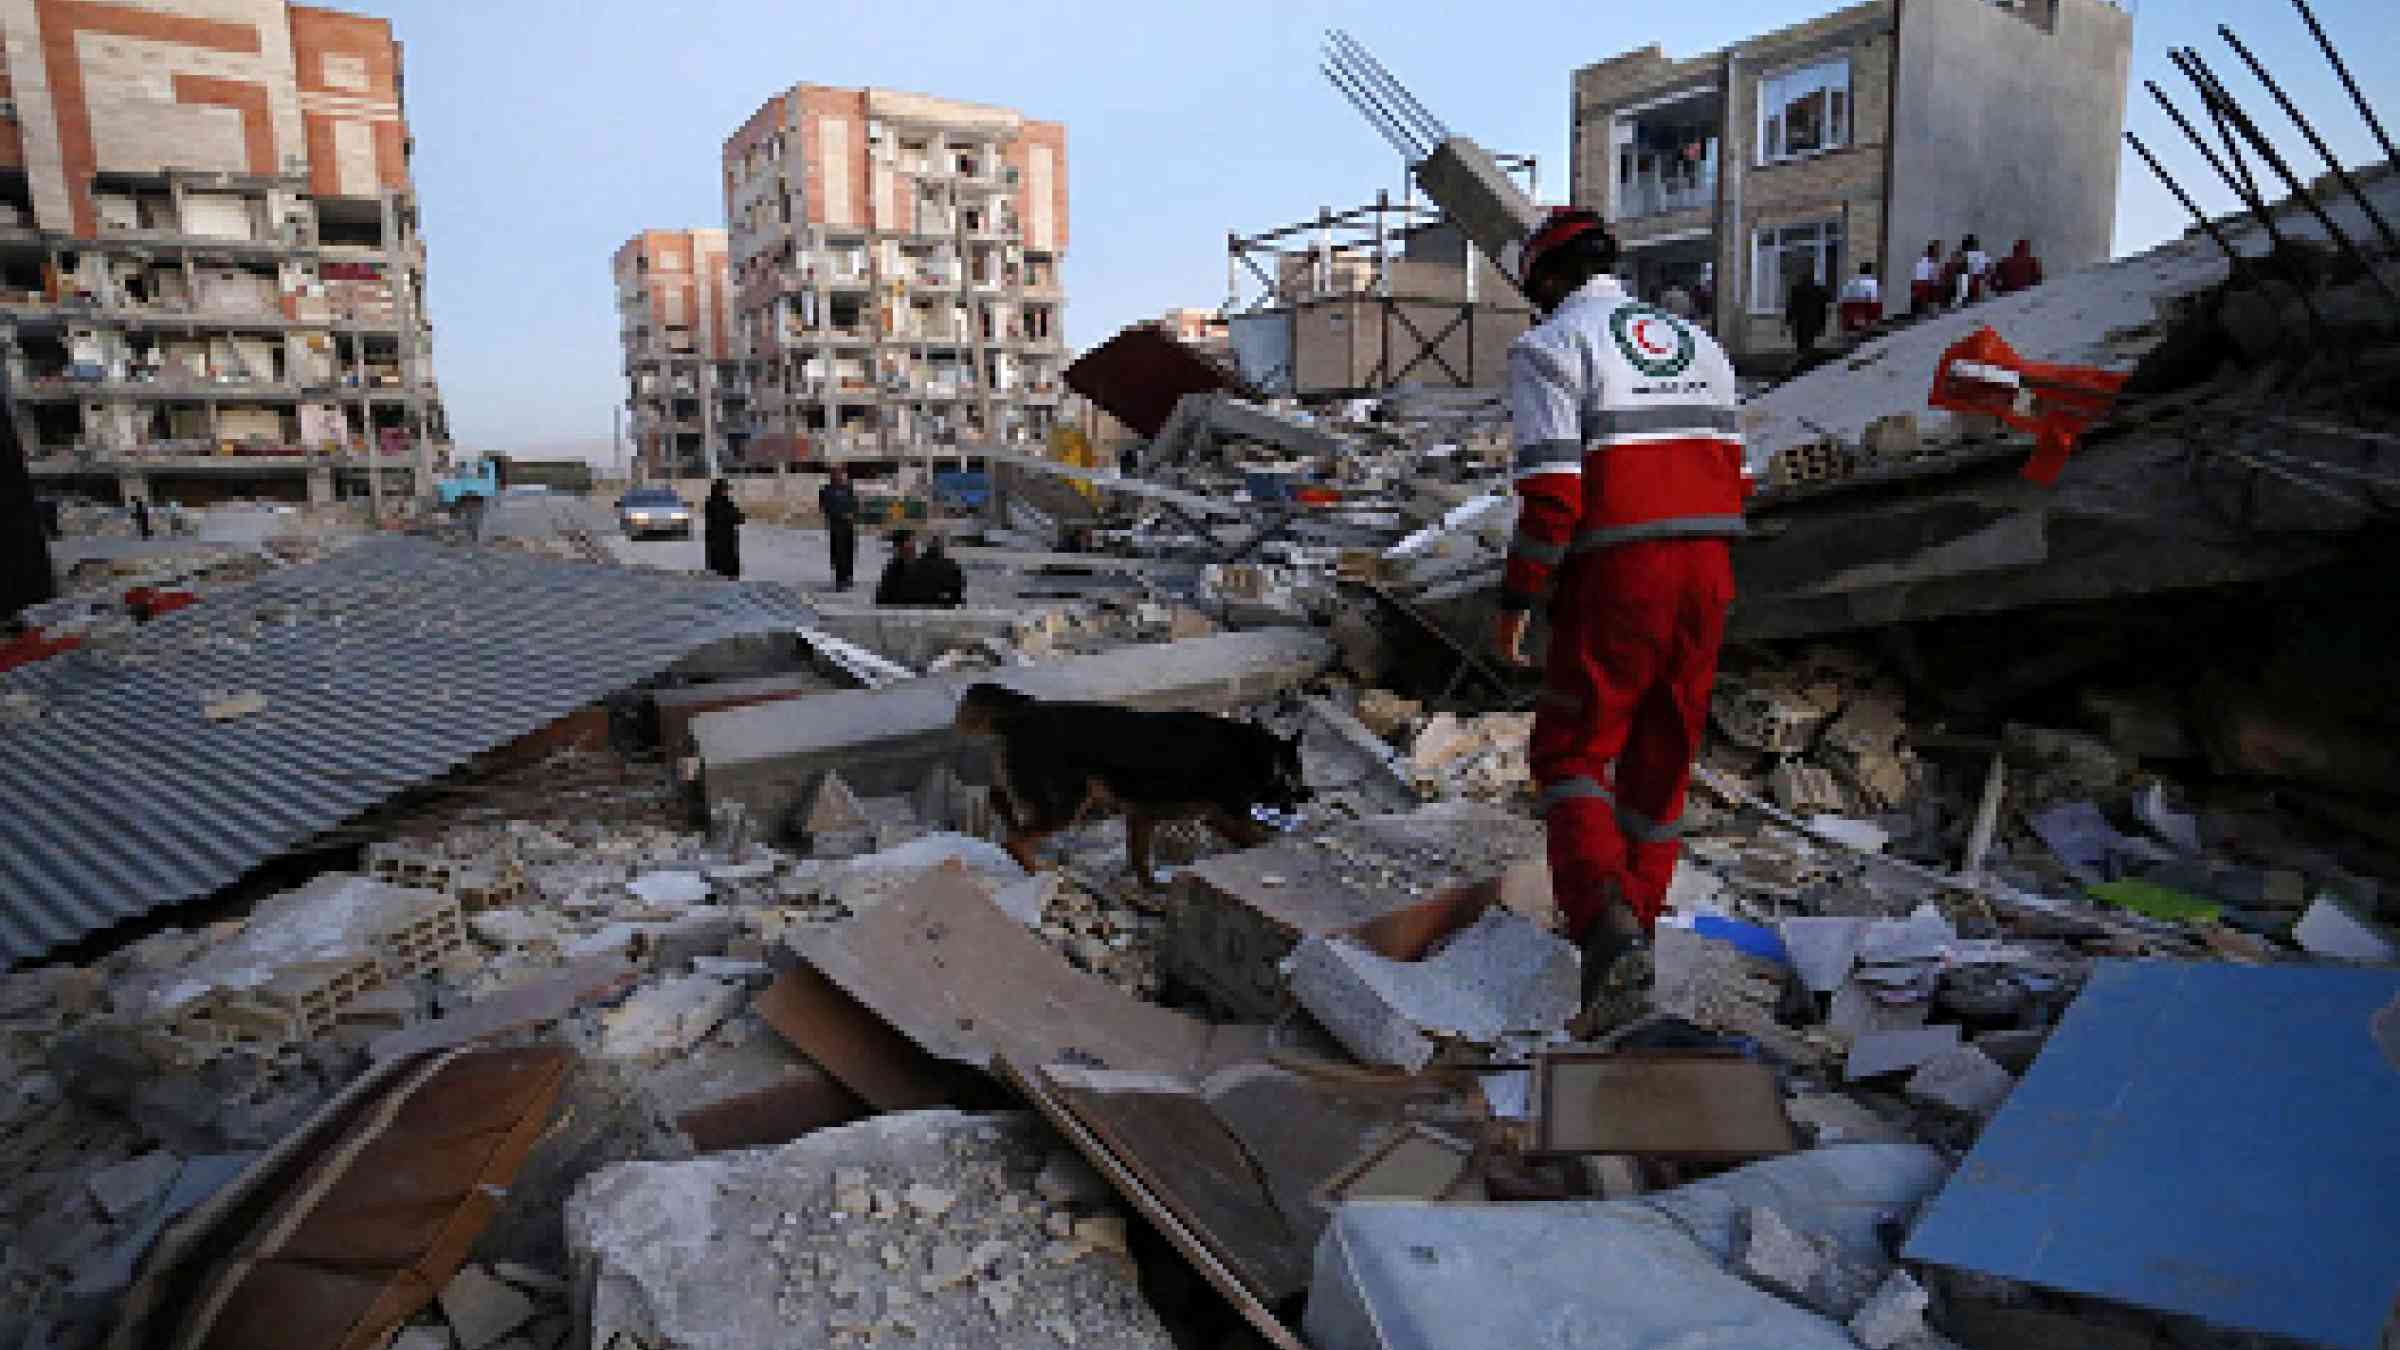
(654,510)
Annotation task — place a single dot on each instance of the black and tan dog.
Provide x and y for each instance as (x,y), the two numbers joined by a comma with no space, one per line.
(1060,764)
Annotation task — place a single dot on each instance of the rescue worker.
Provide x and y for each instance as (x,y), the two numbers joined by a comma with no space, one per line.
(1862,300)
(837,501)
(2019,271)
(1925,282)
(721,531)
(1629,463)
(1974,270)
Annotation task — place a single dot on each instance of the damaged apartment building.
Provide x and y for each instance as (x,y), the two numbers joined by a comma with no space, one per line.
(895,274)
(1857,137)
(211,278)
(685,391)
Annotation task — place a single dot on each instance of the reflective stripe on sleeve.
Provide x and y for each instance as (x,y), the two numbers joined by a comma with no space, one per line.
(1549,457)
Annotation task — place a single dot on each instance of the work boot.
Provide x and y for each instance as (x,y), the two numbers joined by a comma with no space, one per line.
(1616,973)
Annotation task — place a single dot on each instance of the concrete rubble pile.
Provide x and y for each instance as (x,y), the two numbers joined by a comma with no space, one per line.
(779,1045)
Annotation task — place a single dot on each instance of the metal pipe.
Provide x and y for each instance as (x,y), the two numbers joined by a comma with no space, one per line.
(2340,174)
(2182,196)
(2390,156)
(2210,87)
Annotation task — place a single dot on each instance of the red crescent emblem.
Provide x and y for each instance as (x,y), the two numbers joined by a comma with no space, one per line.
(1641,335)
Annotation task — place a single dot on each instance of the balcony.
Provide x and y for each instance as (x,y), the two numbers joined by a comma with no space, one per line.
(1654,196)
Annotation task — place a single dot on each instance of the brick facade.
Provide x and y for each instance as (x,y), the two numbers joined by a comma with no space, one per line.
(893,263)
(240,166)
(685,390)
(1844,186)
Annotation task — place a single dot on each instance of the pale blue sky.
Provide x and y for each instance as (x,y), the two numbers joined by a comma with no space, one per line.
(547,131)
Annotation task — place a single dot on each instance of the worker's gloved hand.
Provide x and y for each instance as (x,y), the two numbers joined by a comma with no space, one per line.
(1508,636)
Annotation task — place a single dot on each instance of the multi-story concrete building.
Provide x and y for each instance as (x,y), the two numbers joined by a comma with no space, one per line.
(211,279)
(896,283)
(1854,138)
(685,390)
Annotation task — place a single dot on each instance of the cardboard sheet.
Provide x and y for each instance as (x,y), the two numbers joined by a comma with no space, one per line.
(1717,1108)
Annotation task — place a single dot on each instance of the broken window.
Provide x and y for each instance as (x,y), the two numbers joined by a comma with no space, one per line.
(1804,111)
(1780,256)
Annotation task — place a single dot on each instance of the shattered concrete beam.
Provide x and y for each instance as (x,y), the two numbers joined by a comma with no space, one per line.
(914,637)
(769,756)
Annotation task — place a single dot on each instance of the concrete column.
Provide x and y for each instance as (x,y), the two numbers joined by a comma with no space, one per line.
(133,485)
(320,485)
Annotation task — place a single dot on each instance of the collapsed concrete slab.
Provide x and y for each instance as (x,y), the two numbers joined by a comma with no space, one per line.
(1502,980)
(913,637)
(884,741)
(1396,882)
(922,1225)
(1397,1273)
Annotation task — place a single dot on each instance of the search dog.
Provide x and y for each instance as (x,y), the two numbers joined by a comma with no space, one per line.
(1060,764)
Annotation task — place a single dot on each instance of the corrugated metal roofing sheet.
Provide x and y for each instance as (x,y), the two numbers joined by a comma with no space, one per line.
(382,667)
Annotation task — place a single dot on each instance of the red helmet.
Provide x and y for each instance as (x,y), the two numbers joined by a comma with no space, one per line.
(1566,225)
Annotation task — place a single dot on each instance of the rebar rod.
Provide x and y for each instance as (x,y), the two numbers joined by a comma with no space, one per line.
(2211,88)
(2180,195)
(2365,110)
(2309,132)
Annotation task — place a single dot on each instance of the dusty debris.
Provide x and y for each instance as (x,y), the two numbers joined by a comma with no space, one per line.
(752,1248)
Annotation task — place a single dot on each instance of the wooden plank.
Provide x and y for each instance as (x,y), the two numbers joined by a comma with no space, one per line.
(1063,1119)
(846,1039)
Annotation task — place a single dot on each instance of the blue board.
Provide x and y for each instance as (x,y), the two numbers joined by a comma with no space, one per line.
(2216,1140)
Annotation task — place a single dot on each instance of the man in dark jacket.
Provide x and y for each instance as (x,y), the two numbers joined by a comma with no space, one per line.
(1804,313)
(938,580)
(721,531)
(837,501)
(897,585)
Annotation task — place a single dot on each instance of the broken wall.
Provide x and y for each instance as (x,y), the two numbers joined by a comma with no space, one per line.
(2008,131)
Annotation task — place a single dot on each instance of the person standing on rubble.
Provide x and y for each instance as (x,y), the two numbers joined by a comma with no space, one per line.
(837,501)
(721,531)
(1804,312)
(1629,465)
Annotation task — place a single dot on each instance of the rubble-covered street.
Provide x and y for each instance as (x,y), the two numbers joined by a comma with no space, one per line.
(452,922)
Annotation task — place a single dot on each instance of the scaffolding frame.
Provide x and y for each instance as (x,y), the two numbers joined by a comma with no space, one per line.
(1374,233)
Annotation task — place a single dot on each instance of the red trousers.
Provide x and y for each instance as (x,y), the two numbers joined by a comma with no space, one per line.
(1634,631)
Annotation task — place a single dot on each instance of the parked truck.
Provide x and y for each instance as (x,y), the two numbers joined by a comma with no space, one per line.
(486,476)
